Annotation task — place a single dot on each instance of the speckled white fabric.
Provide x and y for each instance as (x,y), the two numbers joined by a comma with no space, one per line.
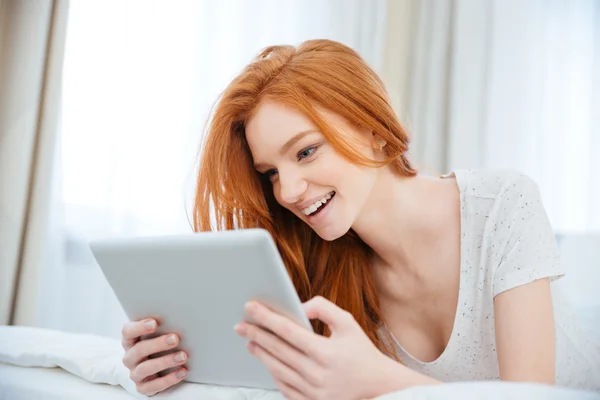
(506,241)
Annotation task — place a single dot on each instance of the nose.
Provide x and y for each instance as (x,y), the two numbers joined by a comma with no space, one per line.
(291,186)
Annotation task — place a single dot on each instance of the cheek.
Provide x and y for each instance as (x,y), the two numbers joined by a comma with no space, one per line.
(354,187)
(332,170)
(345,177)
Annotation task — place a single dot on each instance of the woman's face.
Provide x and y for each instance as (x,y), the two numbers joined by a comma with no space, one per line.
(308,176)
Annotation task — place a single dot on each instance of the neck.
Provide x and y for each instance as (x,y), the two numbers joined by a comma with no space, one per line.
(403,220)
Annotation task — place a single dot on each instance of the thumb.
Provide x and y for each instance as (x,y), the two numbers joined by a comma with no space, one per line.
(324,310)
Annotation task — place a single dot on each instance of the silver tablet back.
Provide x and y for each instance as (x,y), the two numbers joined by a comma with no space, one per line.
(196,285)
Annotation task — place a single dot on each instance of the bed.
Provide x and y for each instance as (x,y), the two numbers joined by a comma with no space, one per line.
(31,383)
(38,363)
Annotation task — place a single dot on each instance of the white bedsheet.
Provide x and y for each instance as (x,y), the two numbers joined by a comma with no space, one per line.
(29,383)
(91,368)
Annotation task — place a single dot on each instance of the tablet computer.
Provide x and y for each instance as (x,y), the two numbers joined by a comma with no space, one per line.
(196,285)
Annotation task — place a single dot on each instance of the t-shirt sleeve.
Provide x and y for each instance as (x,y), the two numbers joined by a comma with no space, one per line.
(527,245)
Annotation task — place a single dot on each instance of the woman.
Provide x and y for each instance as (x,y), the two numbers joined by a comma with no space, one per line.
(449,276)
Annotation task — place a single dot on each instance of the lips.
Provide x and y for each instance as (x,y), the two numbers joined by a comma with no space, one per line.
(314,208)
(321,207)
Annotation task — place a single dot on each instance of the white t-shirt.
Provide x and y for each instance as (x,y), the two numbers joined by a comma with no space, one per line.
(506,241)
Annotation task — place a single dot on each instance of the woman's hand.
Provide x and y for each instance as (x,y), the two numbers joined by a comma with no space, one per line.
(144,370)
(346,365)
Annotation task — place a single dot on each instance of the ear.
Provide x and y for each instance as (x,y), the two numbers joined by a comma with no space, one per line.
(377,142)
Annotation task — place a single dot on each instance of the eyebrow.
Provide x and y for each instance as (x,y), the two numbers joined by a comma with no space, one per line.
(290,143)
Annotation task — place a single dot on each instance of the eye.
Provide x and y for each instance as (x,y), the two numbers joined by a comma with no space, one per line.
(269,174)
(309,151)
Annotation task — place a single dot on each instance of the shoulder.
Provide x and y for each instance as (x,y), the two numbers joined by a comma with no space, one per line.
(502,184)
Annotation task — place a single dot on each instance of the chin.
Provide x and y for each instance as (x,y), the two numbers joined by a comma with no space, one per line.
(331,233)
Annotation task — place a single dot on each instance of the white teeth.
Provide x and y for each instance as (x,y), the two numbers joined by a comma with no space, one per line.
(313,207)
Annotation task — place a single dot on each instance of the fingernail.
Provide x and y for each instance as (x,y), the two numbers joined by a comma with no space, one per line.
(180,374)
(149,325)
(251,306)
(179,357)
(171,339)
(240,329)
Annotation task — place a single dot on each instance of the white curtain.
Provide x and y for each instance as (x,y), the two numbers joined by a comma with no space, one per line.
(543,102)
(32,36)
(139,80)
(504,83)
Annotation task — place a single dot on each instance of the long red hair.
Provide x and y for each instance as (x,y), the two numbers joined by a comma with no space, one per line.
(231,194)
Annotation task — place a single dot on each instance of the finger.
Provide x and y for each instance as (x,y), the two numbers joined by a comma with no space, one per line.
(132,331)
(149,378)
(151,387)
(286,354)
(296,335)
(153,366)
(322,309)
(144,348)
(291,384)
(128,344)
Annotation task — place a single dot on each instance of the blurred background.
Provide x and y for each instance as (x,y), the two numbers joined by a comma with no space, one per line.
(103,105)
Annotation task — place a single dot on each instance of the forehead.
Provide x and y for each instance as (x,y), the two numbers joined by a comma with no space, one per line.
(276,123)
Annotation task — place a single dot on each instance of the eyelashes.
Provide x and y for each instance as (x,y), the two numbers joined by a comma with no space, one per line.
(303,154)
(269,174)
(307,152)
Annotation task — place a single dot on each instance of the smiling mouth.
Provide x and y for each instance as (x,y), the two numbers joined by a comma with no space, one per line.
(318,206)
